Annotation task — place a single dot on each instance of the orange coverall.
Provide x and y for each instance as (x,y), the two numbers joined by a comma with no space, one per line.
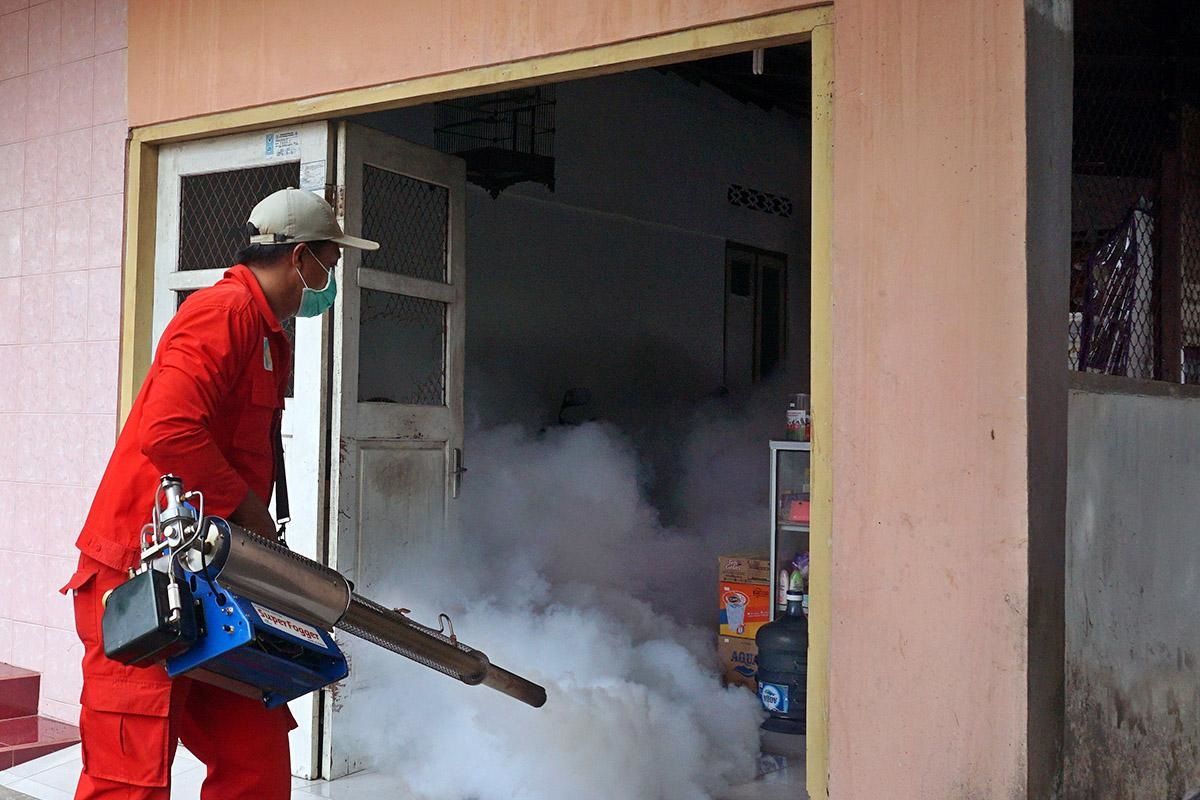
(206,412)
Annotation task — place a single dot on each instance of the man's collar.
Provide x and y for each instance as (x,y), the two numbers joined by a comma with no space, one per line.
(242,274)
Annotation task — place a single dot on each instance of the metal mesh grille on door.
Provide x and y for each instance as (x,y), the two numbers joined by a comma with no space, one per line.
(410,219)
(182,295)
(402,350)
(213,209)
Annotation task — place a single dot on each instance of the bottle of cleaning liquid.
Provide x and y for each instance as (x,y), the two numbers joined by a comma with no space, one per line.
(799,577)
(783,668)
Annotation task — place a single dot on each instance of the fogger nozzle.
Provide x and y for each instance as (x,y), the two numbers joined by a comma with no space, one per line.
(271,574)
(396,632)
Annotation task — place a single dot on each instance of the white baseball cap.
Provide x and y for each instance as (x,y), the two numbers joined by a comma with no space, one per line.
(296,215)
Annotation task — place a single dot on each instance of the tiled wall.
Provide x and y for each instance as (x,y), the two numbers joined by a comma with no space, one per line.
(62,131)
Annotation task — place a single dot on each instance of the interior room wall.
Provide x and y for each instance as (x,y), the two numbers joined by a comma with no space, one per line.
(615,280)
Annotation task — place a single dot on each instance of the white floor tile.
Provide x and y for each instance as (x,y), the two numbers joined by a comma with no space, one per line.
(21,771)
(63,777)
(40,791)
(359,786)
(68,755)
(187,784)
(182,754)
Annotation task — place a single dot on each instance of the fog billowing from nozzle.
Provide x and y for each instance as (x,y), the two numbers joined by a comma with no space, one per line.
(564,573)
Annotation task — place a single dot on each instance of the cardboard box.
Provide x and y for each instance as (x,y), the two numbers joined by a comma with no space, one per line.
(743,594)
(753,568)
(739,661)
(745,607)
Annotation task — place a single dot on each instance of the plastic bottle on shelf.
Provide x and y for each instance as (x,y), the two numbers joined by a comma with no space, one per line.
(799,418)
(799,579)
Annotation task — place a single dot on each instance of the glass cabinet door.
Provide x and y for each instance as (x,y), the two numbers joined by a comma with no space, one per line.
(791,489)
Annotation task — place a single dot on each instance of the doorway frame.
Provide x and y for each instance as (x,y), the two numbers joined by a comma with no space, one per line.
(813,25)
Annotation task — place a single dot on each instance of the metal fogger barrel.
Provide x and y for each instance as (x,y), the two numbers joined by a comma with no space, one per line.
(268,573)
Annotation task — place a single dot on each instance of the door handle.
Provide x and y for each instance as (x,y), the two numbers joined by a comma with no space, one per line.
(456,474)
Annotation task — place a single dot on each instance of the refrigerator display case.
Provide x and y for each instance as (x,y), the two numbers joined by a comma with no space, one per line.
(791,501)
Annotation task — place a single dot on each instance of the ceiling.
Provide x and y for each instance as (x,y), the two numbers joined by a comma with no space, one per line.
(784,85)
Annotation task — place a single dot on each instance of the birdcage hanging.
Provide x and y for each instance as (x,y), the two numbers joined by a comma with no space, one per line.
(506,137)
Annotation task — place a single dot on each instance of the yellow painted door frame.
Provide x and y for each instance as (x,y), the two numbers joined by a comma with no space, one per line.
(808,24)
(820,614)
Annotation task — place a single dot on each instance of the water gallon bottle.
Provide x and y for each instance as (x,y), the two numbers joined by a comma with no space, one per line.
(783,668)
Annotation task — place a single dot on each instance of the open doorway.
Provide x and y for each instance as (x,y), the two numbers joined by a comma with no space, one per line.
(637,248)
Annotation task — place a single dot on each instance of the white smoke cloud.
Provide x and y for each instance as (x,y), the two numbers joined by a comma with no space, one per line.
(565,574)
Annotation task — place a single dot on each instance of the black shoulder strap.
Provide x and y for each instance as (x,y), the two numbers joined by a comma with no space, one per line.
(283,512)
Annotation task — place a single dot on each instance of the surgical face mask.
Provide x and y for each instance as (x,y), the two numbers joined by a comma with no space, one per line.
(314,302)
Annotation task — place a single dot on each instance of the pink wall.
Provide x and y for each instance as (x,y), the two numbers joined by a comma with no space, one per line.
(931,524)
(254,52)
(62,132)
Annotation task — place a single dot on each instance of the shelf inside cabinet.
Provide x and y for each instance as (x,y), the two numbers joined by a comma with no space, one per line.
(799,527)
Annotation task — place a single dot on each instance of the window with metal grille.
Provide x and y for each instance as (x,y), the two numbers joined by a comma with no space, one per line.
(411,221)
(1135,261)
(402,350)
(214,207)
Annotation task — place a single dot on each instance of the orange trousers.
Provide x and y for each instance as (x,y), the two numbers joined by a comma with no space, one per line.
(132,720)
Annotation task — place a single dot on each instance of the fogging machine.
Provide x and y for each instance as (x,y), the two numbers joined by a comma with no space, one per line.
(217,603)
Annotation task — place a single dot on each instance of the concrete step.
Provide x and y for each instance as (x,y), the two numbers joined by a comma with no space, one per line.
(18,692)
(26,738)
(24,735)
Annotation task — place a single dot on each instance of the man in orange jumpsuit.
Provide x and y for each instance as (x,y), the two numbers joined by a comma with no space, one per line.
(206,412)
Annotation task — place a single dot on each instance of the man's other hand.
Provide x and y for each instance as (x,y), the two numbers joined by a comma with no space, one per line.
(253,515)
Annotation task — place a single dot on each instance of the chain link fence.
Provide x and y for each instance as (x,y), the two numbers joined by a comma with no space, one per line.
(1189,241)
(1116,164)
(1135,218)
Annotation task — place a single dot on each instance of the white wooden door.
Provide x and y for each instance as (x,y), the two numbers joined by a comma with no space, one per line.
(397,413)
(206,190)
